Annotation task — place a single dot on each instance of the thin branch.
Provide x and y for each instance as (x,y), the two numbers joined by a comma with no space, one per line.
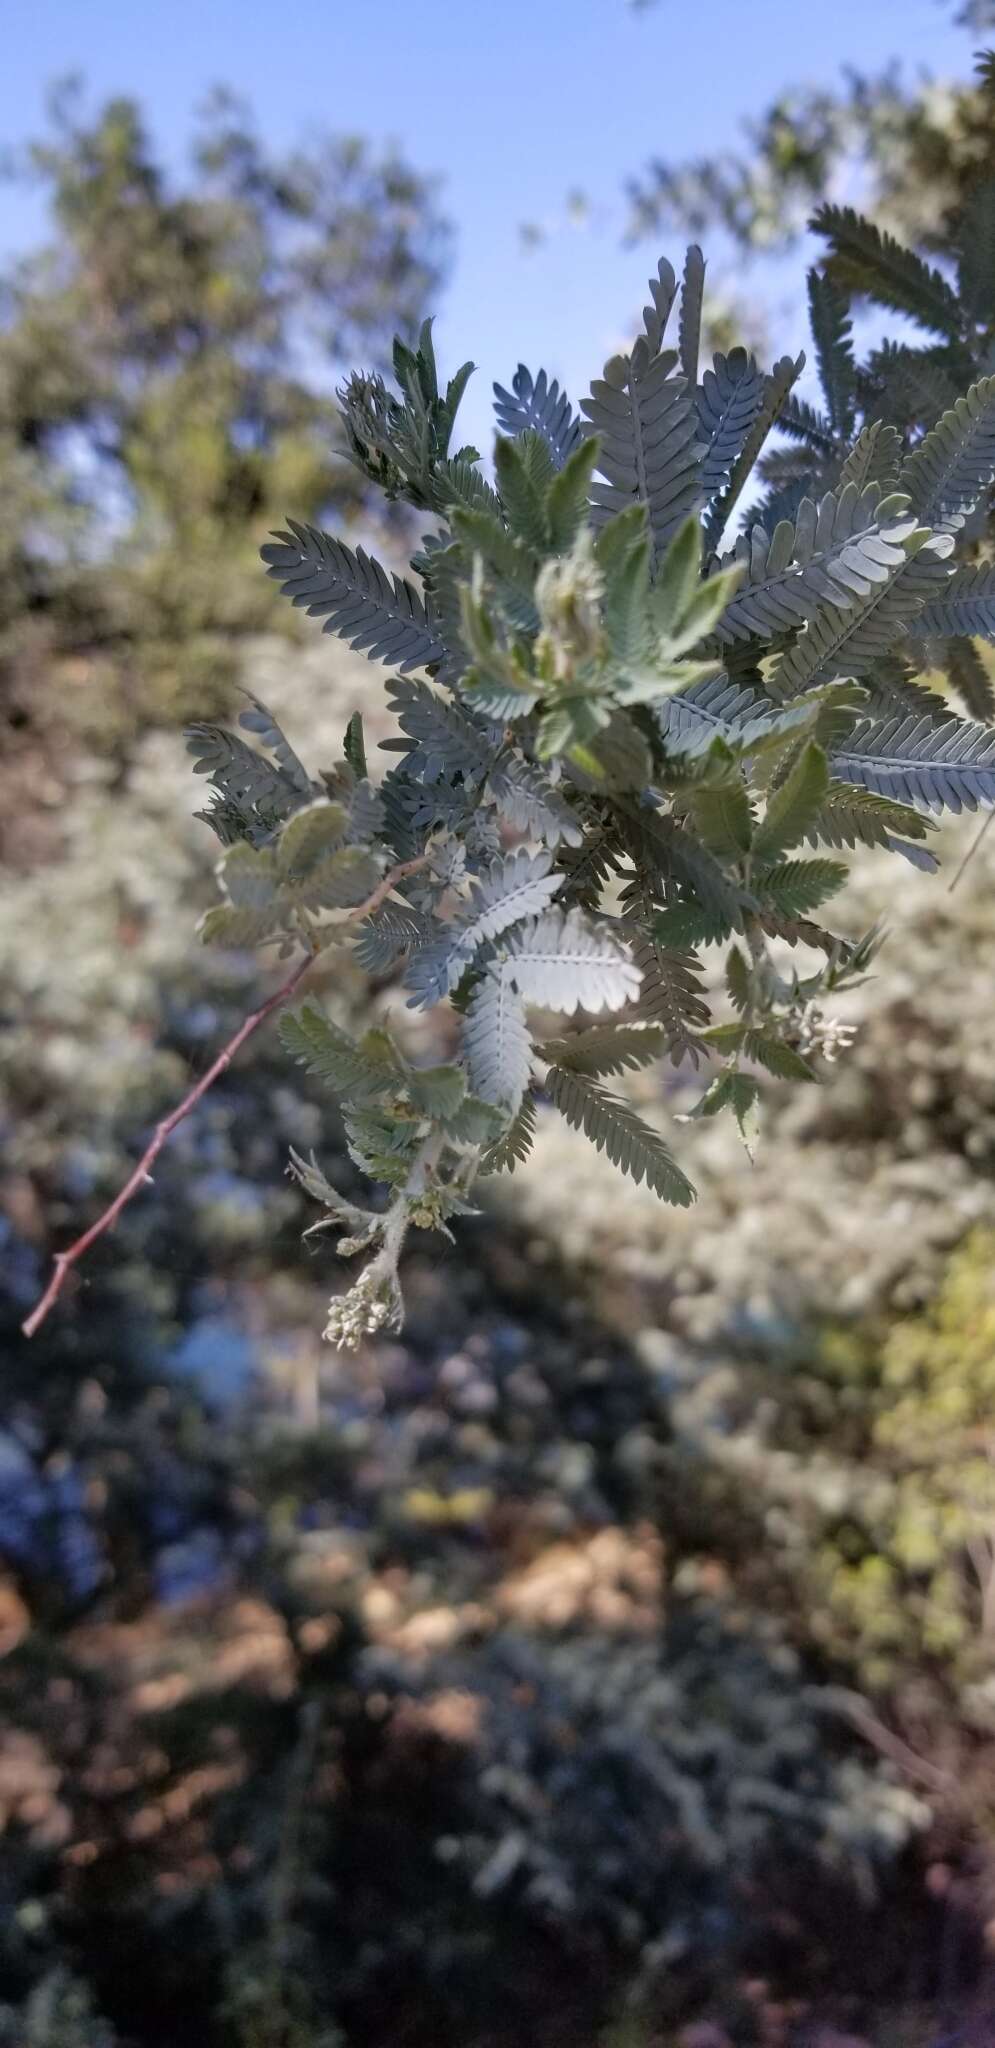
(839,1699)
(975,847)
(65,1261)
(383,889)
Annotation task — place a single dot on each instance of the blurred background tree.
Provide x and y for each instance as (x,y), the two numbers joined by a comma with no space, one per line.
(167,368)
(907,150)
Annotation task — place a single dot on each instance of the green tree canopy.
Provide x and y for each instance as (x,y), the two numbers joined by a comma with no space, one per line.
(919,146)
(167,363)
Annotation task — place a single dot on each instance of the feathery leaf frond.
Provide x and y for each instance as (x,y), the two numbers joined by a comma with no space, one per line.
(845,641)
(795,887)
(532,803)
(689,326)
(254,795)
(967,604)
(564,961)
(537,404)
(841,549)
(439,738)
(646,421)
(259,719)
(384,937)
(514,1146)
(671,995)
(950,766)
(864,259)
(614,1128)
(800,421)
(359,1073)
(855,816)
(775,392)
(496,1042)
(955,463)
(971,679)
(605,1049)
(515,886)
(875,458)
(731,395)
(377,614)
(832,334)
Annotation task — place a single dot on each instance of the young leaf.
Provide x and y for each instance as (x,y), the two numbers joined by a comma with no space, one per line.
(566,499)
(684,609)
(794,806)
(678,576)
(437,1091)
(627,591)
(730,1090)
(761,1044)
(358,1073)
(520,494)
(795,887)
(354,746)
(308,839)
(723,817)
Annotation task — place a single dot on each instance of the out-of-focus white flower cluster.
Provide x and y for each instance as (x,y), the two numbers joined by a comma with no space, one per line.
(373,1303)
(814,1032)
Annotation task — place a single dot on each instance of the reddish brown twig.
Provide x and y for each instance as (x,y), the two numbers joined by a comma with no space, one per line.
(383,889)
(65,1261)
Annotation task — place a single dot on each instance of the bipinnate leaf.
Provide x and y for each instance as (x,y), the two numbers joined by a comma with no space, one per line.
(615,1128)
(375,612)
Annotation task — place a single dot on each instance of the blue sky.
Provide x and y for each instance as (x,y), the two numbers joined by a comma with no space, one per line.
(513,101)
